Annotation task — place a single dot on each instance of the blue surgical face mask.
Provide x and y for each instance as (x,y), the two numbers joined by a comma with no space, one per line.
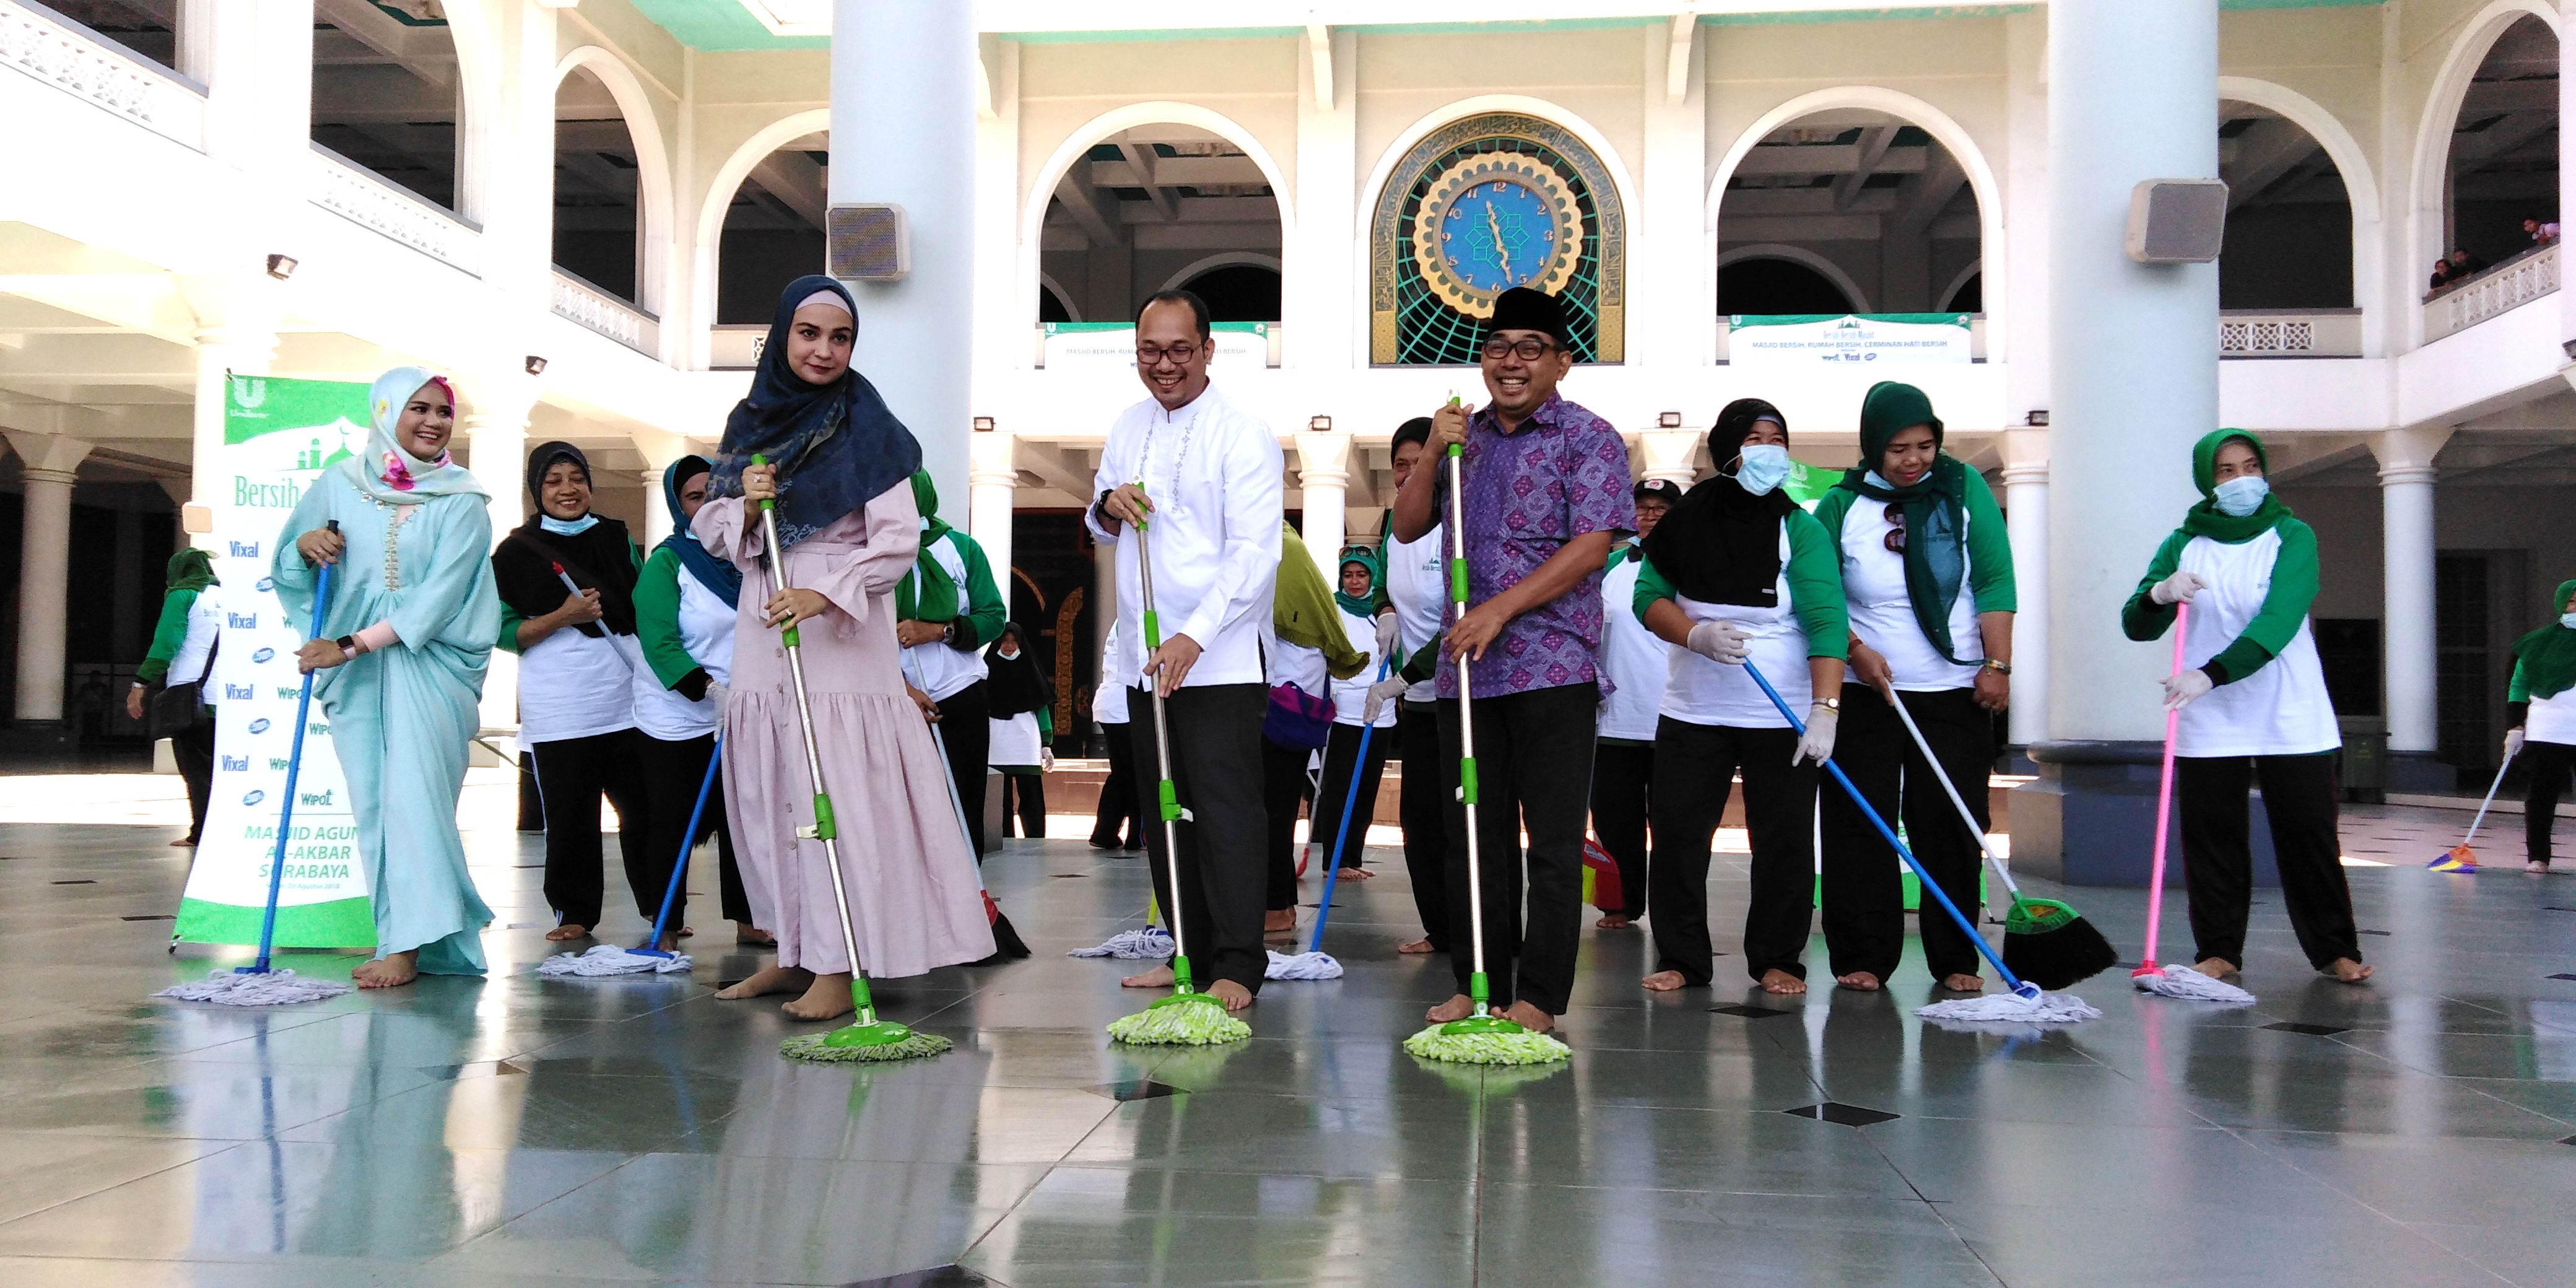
(2238,497)
(1762,467)
(568,527)
(2567,620)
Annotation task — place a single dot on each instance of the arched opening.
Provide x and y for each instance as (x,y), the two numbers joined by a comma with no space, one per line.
(599,222)
(2502,172)
(773,230)
(1051,305)
(1782,285)
(147,27)
(387,94)
(1146,203)
(1969,296)
(1865,190)
(1238,292)
(2289,216)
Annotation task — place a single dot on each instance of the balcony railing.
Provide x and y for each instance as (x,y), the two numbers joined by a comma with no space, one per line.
(348,189)
(2289,333)
(736,346)
(581,302)
(2506,286)
(80,62)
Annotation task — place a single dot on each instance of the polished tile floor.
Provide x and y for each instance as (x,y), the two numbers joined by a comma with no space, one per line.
(513,1131)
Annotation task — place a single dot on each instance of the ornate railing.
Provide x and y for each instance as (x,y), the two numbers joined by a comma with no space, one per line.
(80,62)
(345,188)
(2506,286)
(583,303)
(736,346)
(2289,333)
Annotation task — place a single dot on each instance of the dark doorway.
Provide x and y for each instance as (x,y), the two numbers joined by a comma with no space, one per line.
(1772,286)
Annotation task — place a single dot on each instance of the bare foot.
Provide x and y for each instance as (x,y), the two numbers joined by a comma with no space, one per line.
(2536,869)
(1663,981)
(1235,996)
(765,981)
(669,943)
(753,936)
(1279,921)
(2347,971)
(687,933)
(1414,947)
(828,999)
(1613,921)
(2216,967)
(1964,983)
(1859,981)
(1776,980)
(1159,977)
(393,970)
(1529,1017)
(1357,874)
(568,931)
(1456,1008)
(182,843)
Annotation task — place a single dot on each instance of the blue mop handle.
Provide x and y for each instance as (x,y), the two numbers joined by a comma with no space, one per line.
(1930,886)
(688,841)
(294,765)
(1350,797)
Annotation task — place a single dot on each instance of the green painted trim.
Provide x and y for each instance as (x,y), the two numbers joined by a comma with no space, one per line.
(338,923)
(720,26)
(1503,28)
(1863,15)
(1149,35)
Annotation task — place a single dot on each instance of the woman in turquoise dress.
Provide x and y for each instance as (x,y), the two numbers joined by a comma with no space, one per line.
(399,664)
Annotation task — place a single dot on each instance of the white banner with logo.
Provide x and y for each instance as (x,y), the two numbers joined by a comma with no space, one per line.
(1849,339)
(279,435)
(1097,346)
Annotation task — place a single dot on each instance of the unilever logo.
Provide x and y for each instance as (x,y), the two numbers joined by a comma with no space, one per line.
(260,725)
(263,655)
(254,797)
(267,584)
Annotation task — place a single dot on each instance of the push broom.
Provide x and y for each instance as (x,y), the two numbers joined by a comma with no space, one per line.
(2025,1003)
(1188,1017)
(1482,1037)
(609,959)
(2176,980)
(866,1037)
(1315,963)
(260,984)
(2460,858)
(2045,941)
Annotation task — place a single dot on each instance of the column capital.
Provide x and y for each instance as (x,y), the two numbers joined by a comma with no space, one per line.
(1324,457)
(49,458)
(2025,449)
(2406,455)
(1671,454)
(992,460)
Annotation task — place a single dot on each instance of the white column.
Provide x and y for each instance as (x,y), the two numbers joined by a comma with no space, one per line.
(1324,475)
(1670,323)
(2133,362)
(2566,154)
(2026,516)
(495,430)
(2406,527)
(992,475)
(1104,600)
(44,569)
(658,520)
(2016,273)
(903,131)
(1672,454)
(1318,303)
(1006,304)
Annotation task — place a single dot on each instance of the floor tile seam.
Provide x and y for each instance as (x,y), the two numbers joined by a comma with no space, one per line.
(208,1156)
(2364,1204)
(2483,1092)
(1929,1205)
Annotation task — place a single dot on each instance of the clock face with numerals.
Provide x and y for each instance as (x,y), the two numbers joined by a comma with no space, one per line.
(1493,222)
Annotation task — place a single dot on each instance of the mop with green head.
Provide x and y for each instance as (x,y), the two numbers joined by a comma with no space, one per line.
(1188,1017)
(1482,1037)
(867,1038)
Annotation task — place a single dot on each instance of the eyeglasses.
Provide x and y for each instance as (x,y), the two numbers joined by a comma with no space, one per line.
(1527,349)
(1147,355)
(1895,538)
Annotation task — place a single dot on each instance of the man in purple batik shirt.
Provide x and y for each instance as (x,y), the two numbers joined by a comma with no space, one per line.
(1547,490)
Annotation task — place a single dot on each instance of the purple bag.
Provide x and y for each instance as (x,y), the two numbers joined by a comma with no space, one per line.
(1297,720)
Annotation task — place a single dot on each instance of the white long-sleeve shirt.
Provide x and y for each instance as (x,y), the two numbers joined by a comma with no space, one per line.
(1214,473)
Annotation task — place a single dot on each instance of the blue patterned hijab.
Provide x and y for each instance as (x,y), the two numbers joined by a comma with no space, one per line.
(836,446)
(718,575)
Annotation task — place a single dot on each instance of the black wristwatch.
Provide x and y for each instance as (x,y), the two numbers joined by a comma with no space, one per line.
(348,646)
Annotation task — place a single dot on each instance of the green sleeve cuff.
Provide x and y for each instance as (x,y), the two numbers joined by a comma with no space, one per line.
(986,610)
(2238,660)
(168,634)
(1651,586)
(510,620)
(2142,618)
(657,619)
(2517,689)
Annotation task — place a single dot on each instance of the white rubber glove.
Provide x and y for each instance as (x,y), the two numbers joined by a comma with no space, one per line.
(1720,642)
(1046,760)
(717,692)
(1386,640)
(2181,690)
(1817,744)
(1379,694)
(2513,742)
(2177,589)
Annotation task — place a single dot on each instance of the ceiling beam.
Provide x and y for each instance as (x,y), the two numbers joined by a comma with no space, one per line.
(2259,157)
(1677,51)
(797,183)
(1873,149)
(1096,214)
(1047,461)
(1319,52)
(1141,159)
(1922,200)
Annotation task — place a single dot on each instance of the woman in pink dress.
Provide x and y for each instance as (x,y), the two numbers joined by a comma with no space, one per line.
(840,469)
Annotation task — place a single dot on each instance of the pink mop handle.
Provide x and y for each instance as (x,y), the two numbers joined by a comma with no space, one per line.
(2164,806)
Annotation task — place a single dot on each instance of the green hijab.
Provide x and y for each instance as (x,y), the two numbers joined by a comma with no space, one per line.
(1934,506)
(191,569)
(2548,655)
(2205,519)
(929,594)
(1363,605)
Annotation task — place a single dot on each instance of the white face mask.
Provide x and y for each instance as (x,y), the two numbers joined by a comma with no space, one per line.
(2567,620)
(1762,467)
(2241,496)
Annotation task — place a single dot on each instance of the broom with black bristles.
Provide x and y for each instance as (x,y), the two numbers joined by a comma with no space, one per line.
(2045,941)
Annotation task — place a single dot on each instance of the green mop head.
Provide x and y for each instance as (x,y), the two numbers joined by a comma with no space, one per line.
(879,1040)
(2052,945)
(1183,1019)
(1485,1039)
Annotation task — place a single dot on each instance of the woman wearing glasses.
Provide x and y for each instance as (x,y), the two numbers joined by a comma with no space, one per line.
(1927,571)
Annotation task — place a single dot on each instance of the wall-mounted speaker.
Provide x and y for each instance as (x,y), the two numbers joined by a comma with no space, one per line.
(867,243)
(2177,221)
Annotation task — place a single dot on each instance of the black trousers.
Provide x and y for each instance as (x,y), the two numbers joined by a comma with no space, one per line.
(572,774)
(673,772)
(1117,811)
(195,752)
(2218,856)
(966,730)
(1216,771)
(1622,786)
(2549,762)
(1283,790)
(1024,799)
(1534,772)
(1341,762)
(1693,768)
(1430,784)
(1864,897)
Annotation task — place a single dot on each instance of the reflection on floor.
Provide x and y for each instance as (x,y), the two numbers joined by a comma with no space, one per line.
(515,1132)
